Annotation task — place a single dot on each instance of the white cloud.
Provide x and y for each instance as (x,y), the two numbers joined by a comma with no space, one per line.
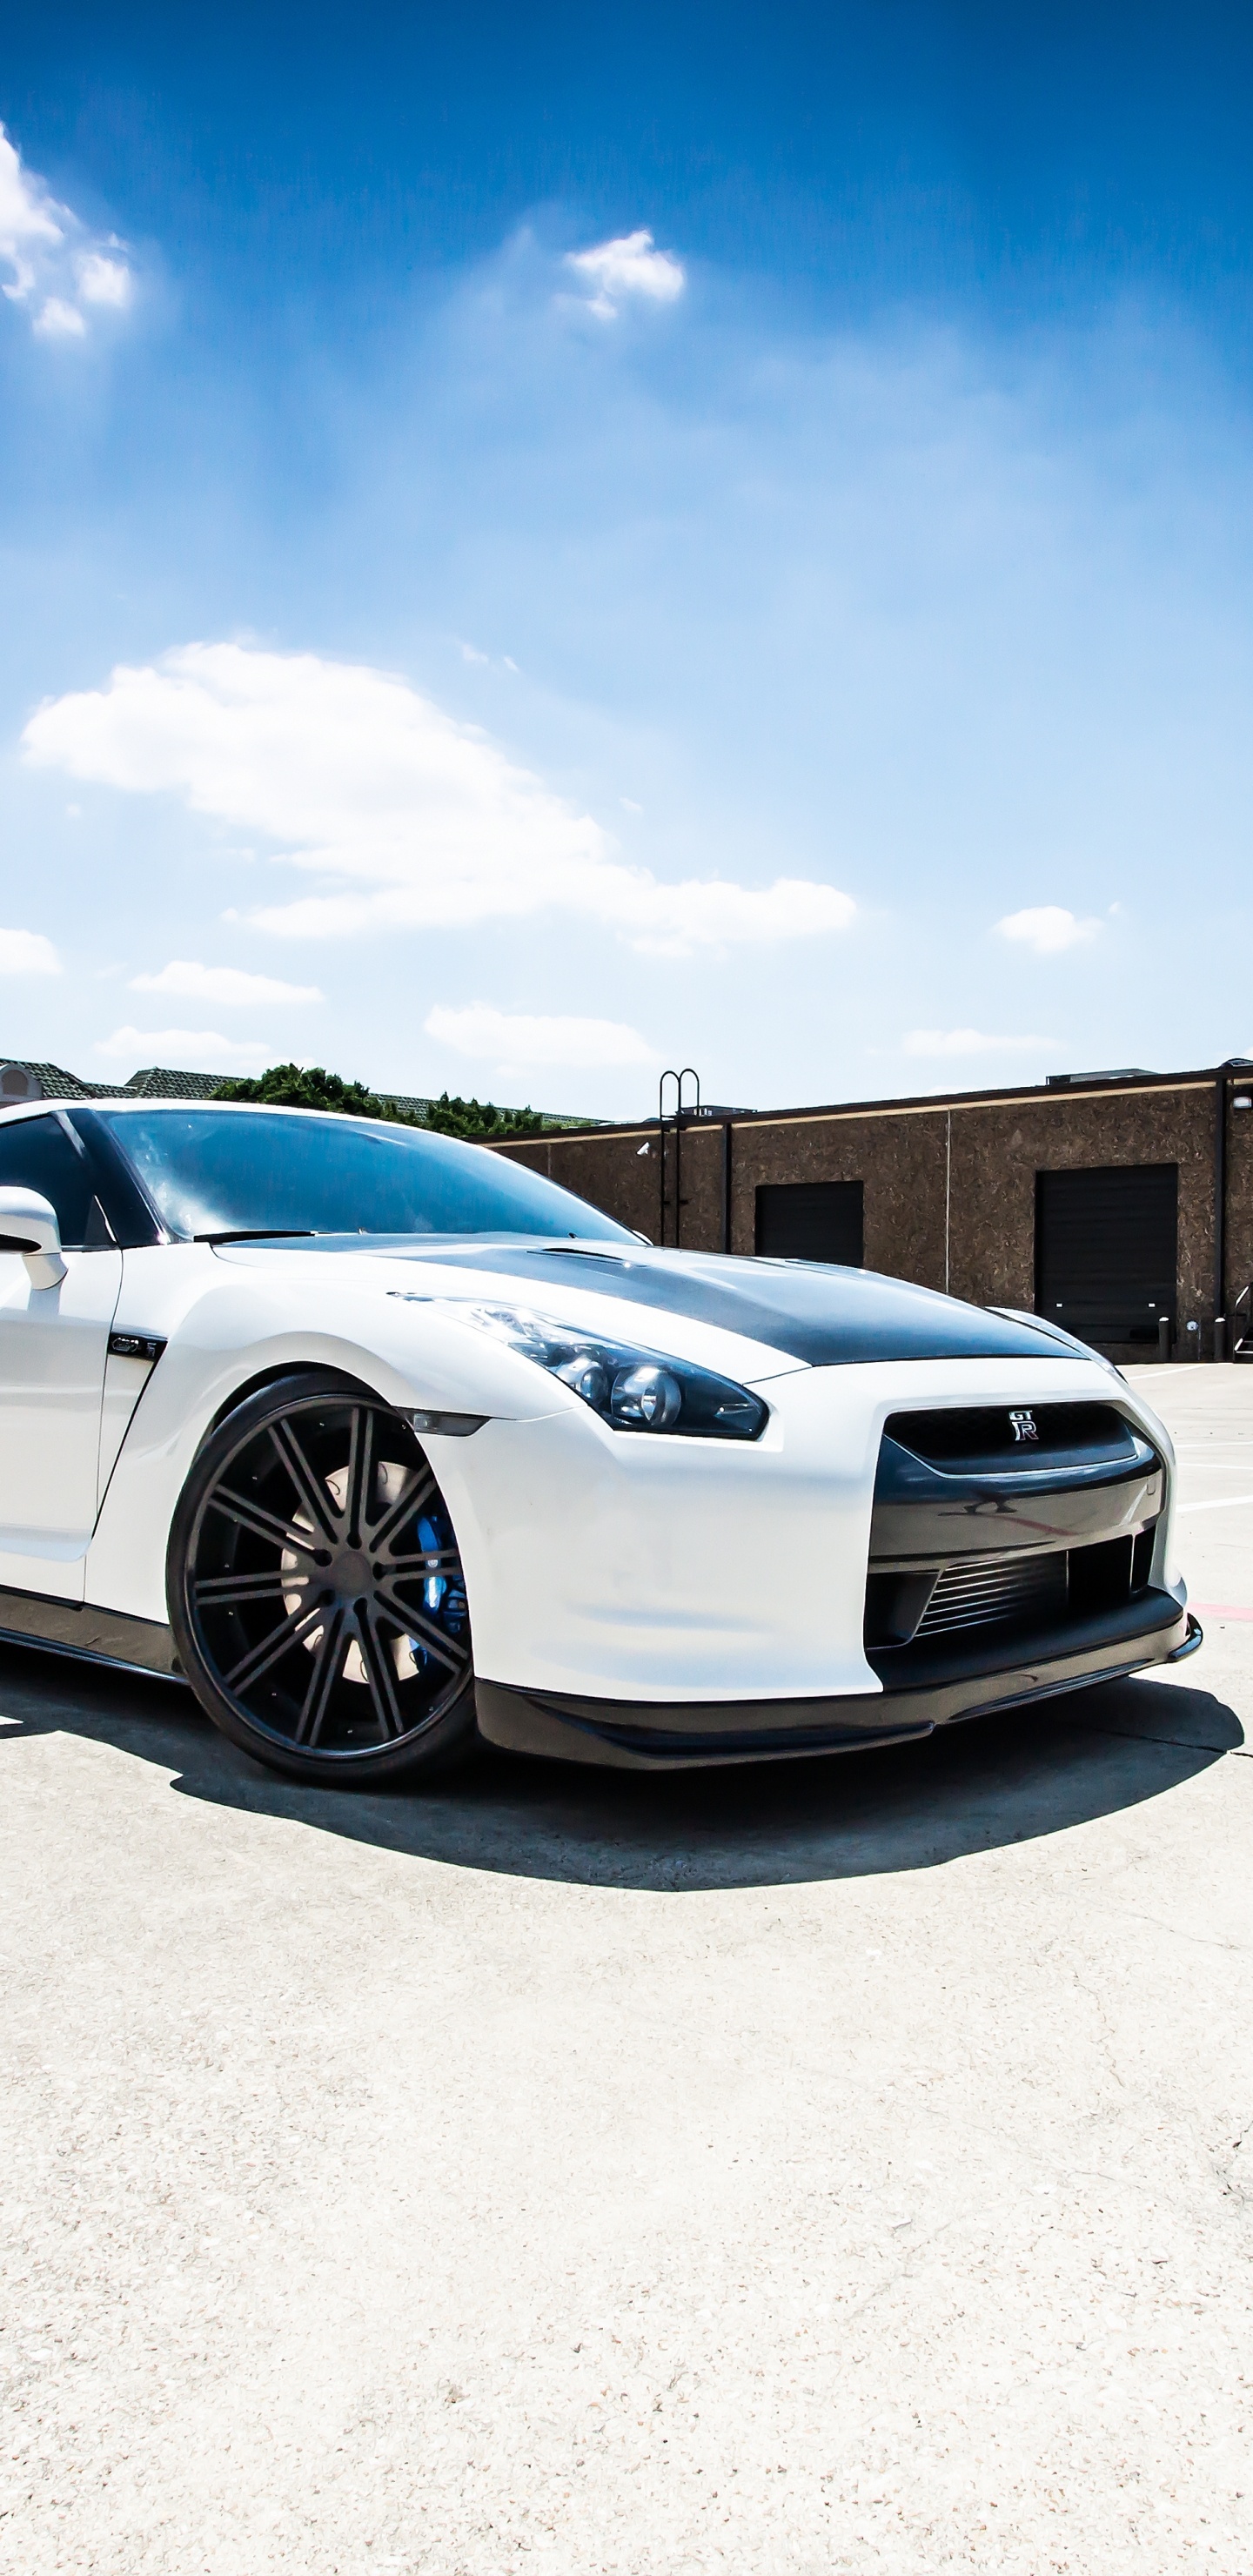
(57,320)
(1047,928)
(508,1039)
(185,1050)
(228,985)
(969,1042)
(56,265)
(415,820)
(27,952)
(31,223)
(672,921)
(628,266)
(104,281)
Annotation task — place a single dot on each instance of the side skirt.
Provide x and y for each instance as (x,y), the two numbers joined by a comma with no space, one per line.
(94,1636)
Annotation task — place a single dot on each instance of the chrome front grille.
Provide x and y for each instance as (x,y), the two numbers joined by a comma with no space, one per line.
(988,1590)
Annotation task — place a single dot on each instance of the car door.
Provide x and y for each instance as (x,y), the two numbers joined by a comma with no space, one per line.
(53,1347)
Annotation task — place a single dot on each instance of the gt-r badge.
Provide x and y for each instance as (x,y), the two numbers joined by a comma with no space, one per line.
(1023,1425)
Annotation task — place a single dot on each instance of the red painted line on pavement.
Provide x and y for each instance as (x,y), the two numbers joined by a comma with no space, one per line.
(1219,1610)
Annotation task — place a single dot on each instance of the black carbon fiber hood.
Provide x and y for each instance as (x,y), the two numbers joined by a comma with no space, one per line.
(815,1312)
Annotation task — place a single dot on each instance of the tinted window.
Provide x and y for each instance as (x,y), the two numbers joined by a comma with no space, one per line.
(209,1171)
(36,1154)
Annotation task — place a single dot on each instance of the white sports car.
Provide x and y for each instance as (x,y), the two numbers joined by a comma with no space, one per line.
(386,1444)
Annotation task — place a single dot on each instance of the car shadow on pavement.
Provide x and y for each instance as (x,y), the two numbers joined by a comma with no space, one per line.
(974,1787)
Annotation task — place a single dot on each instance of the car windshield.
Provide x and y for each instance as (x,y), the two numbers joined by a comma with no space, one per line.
(220,1171)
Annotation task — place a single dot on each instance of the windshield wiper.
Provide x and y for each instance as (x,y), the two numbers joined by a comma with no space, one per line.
(258,1234)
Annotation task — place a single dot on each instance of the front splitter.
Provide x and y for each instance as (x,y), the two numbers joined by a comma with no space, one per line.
(648,1735)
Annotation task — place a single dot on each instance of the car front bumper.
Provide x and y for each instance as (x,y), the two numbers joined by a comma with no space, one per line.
(648,1735)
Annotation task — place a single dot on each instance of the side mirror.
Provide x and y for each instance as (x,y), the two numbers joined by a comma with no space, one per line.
(28,1224)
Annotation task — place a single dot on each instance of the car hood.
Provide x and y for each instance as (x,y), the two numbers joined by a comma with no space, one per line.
(816,1313)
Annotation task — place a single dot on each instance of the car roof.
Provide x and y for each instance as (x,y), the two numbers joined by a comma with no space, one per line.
(272,1108)
(15,1109)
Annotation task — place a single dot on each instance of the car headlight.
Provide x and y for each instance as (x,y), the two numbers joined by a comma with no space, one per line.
(632,1389)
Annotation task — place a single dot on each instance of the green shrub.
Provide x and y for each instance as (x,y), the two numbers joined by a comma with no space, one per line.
(310,1086)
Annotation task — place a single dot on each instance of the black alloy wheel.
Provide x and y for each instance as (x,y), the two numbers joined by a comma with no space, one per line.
(316,1592)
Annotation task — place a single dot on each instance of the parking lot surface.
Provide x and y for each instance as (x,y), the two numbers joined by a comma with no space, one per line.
(836,2166)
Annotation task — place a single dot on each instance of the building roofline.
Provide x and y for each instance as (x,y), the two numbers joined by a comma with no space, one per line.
(918,1104)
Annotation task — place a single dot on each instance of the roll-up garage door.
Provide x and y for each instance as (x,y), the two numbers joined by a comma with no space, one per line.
(1105,1250)
(811,1220)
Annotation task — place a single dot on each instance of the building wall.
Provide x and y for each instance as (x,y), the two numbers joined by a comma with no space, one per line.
(1239,1199)
(898,1155)
(978,1155)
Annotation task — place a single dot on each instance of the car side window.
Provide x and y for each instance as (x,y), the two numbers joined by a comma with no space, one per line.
(36,1154)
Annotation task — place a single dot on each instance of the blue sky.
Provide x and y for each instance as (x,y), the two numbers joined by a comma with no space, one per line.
(535,551)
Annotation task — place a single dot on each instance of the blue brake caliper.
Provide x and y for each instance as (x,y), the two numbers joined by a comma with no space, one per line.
(443,1596)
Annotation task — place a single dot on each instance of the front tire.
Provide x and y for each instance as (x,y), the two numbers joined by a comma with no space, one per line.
(316,1592)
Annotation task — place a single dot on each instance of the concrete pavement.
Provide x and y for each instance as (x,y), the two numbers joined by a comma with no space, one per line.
(836,2167)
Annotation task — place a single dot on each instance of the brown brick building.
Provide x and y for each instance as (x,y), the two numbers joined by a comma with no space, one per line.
(1121,1203)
